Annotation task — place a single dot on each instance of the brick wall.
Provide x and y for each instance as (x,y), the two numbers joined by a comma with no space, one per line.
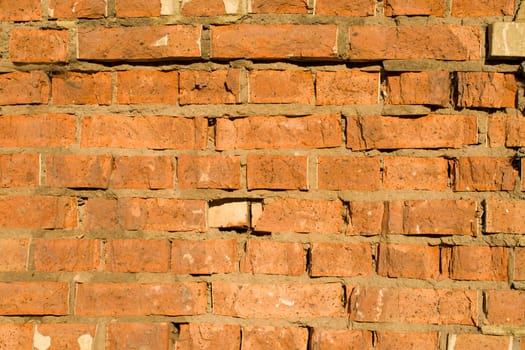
(259,174)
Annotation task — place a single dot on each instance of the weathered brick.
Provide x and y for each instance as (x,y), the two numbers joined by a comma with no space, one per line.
(67,254)
(505,216)
(478,341)
(16,336)
(42,130)
(345,7)
(153,172)
(24,88)
(202,87)
(411,8)
(288,41)
(263,256)
(408,341)
(148,43)
(229,214)
(478,263)
(465,8)
(277,300)
(145,86)
(210,7)
(101,213)
(279,132)
(404,305)
(519,263)
(415,42)
(348,173)
(203,257)
(504,307)
(410,173)
(347,88)
(137,255)
(506,130)
(427,88)
(208,336)
(82,88)
(333,339)
(124,336)
(78,171)
(135,299)
(485,174)
(340,259)
(486,89)
(365,218)
(408,261)
(278,6)
(278,338)
(277,172)
(288,86)
(431,131)
(15,253)
(19,170)
(155,132)
(67,336)
(77,9)
(38,45)
(33,298)
(22,10)
(209,171)
(137,8)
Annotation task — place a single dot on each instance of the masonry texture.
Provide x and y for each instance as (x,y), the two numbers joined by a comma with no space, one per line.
(260,174)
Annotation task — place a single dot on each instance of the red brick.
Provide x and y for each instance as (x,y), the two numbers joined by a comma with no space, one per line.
(82,88)
(155,132)
(478,341)
(277,300)
(426,88)
(209,172)
(125,336)
(14,254)
(21,10)
(404,305)
(365,218)
(505,307)
(137,299)
(207,8)
(67,254)
(433,217)
(277,338)
(301,215)
(407,341)
(288,41)
(201,87)
(24,88)
(101,213)
(203,257)
(345,7)
(42,130)
(506,130)
(19,170)
(505,216)
(348,173)
(485,174)
(277,172)
(410,173)
(486,89)
(332,339)
(279,6)
(432,131)
(148,43)
(208,336)
(46,212)
(141,86)
(67,336)
(33,298)
(347,88)
(228,214)
(78,171)
(137,255)
(411,8)
(263,256)
(137,8)
(341,259)
(408,261)
(77,9)
(465,8)
(279,132)
(415,42)
(478,263)
(519,263)
(16,336)
(38,45)
(289,86)
(155,172)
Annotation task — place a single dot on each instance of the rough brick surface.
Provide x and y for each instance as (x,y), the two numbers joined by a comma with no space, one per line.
(347,88)
(16,336)
(345,8)
(277,172)
(325,339)
(479,341)
(485,174)
(281,87)
(519,263)
(478,263)
(502,307)
(465,8)
(365,218)
(133,255)
(348,173)
(121,336)
(15,254)
(480,89)
(503,216)
(506,130)
(409,341)
(19,170)
(24,88)
(67,254)
(137,8)
(275,258)
(408,261)
(77,9)
(408,8)
(208,336)
(78,171)
(81,88)
(147,87)
(25,10)
(426,88)
(209,7)
(209,172)
(66,336)
(279,6)
(201,87)
(37,130)
(198,257)
(143,172)
(34,298)
(340,259)
(278,338)
(409,173)
(38,46)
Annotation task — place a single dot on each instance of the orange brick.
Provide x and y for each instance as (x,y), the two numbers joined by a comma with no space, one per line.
(137,8)
(228,214)
(155,132)
(415,42)
(137,255)
(365,218)
(279,6)
(347,88)
(340,259)
(209,8)
(486,89)
(348,173)
(278,132)
(277,172)
(432,131)
(464,8)
(519,263)
(42,130)
(136,299)
(272,86)
(209,172)
(277,300)
(411,8)
(203,257)
(34,298)
(16,336)
(408,341)
(345,7)
(479,341)
(201,87)
(19,170)
(82,88)
(277,338)
(141,86)
(101,213)
(77,9)
(208,336)
(67,254)
(478,263)
(147,43)
(506,130)
(38,45)
(77,171)
(504,216)
(289,41)
(154,172)
(24,88)
(485,174)
(333,339)
(124,336)
(427,88)
(22,10)
(404,305)
(263,256)
(15,254)
(408,261)
(410,173)
(67,336)
(505,307)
